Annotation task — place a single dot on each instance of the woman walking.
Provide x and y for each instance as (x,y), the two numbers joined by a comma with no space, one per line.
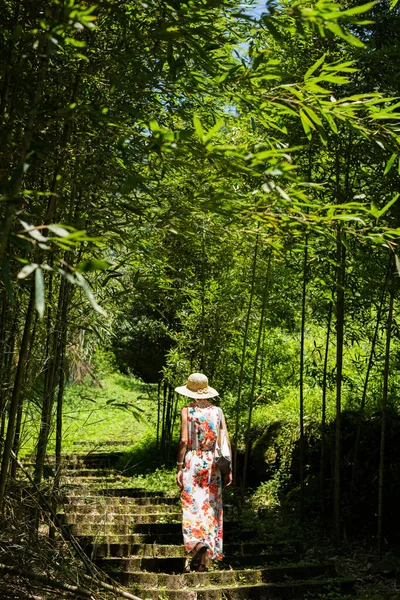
(198,475)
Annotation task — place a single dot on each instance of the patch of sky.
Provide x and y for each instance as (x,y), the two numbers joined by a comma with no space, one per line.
(252,9)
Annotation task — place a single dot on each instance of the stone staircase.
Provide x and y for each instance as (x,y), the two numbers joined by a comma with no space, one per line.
(135,536)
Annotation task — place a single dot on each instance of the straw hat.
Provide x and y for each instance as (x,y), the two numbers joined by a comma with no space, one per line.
(197,387)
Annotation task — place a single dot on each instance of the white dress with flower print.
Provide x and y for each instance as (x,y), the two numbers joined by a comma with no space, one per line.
(202,482)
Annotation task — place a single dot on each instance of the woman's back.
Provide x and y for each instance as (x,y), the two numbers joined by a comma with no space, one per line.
(203,424)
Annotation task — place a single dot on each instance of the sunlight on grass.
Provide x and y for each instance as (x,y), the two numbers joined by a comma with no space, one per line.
(115,416)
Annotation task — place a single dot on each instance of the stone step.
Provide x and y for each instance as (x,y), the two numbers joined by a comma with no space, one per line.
(107,443)
(232,577)
(230,527)
(162,564)
(101,536)
(111,518)
(114,493)
(121,501)
(103,508)
(232,551)
(296,590)
(106,515)
(90,480)
(126,492)
(87,473)
(98,458)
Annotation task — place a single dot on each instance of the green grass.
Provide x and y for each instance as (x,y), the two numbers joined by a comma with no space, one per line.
(122,410)
(160,479)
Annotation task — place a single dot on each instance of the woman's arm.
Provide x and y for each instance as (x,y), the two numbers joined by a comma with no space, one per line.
(182,447)
(223,426)
(228,476)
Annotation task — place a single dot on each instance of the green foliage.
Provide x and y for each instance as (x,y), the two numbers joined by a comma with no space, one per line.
(160,479)
(267,494)
(118,411)
(146,148)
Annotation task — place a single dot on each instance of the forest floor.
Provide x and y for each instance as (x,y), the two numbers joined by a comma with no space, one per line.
(120,415)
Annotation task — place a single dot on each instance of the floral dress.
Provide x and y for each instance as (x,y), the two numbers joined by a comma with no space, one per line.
(202,482)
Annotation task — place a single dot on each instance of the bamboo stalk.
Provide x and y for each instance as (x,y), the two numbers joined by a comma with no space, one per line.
(301,383)
(340,281)
(254,379)
(323,415)
(366,381)
(19,377)
(244,347)
(383,425)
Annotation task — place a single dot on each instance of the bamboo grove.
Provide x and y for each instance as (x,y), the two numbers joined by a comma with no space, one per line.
(202,179)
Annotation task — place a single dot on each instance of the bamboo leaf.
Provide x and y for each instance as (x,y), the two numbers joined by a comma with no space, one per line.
(211,133)
(58,230)
(92,265)
(307,124)
(388,205)
(81,281)
(336,29)
(397,260)
(314,67)
(39,291)
(198,128)
(33,232)
(390,163)
(357,10)
(313,115)
(27,270)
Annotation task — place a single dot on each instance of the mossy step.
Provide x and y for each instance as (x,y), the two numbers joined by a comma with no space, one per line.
(126,492)
(110,518)
(114,493)
(77,483)
(86,480)
(74,457)
(231,551)
(154,528)
(296,590)
(271,574)
(101,536)
(104,444)
(115,519)
(86,473)
(178,564)
(103,508)
(116,501)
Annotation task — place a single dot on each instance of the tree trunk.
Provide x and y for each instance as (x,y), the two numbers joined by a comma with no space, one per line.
(243,360)
(18,381)
(301,387)
(163,428)
(19,172)
(10,63)
(55,353)
(340,283)
(59,418)
(18,424)
(365,388)
(203,302)
(158,415)
(254,379)
(383,425)
(323,416)
(8,369)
